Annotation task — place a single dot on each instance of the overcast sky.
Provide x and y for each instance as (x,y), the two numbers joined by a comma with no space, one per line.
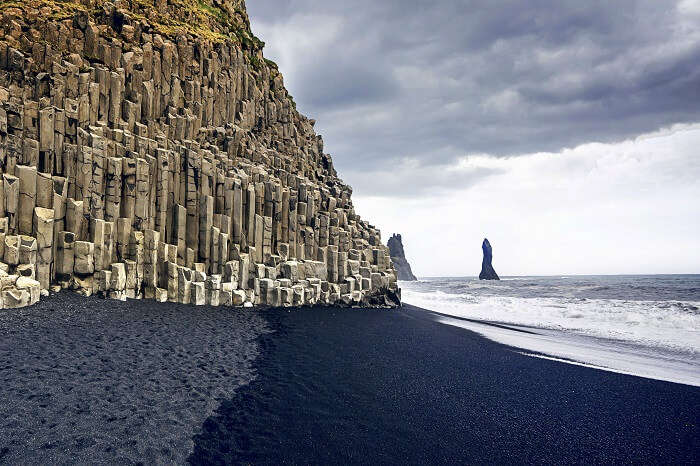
(567,132)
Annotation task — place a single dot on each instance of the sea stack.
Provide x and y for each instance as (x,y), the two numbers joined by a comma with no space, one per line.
(398,257)
(487,271)
(150,150)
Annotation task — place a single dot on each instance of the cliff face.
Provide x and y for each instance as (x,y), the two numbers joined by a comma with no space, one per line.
(398,257)
(147,149)
(487,270)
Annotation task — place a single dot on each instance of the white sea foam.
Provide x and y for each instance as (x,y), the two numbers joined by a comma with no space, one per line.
(673,325)
(626,325)
(596,353)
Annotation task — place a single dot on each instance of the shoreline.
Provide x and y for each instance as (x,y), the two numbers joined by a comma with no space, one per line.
(584,350)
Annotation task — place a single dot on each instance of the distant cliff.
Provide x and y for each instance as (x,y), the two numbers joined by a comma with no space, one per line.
(487,271)
(398,257)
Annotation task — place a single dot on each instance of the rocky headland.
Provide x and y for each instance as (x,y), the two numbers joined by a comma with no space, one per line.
(487,271)
(149,150)
(398,257)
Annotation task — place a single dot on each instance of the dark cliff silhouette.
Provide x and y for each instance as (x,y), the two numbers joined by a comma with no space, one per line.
(398,257)
(487,271)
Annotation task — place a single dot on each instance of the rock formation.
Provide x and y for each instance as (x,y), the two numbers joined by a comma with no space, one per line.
(398,257)
(487,271)
(149,150)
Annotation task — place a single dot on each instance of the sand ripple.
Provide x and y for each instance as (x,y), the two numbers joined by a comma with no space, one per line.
(101,381)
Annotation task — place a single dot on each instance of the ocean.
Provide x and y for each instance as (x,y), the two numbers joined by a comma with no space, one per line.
(646,325)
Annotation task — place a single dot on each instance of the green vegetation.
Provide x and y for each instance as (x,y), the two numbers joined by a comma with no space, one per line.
(201,18)
(60,9)
(213,20)
(272,64)
(214,11)
(255,62)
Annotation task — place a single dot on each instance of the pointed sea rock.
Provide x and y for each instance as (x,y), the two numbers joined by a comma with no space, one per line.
(398,257)
(487,271)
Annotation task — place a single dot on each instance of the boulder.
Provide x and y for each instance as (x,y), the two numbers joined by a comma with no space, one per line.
(239,297)
(118,276)
(198,294)
(15,298)
(84,257)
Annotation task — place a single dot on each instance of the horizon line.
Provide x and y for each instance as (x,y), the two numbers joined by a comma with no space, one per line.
(567,275)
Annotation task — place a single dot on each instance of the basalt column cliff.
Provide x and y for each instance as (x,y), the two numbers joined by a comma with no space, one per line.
(147,149)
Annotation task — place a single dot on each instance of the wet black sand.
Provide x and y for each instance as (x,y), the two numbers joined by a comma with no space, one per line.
(380,387)
(94,381)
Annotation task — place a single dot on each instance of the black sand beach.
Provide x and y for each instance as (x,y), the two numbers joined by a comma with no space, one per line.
(108,382)
(87,380)
(394,387)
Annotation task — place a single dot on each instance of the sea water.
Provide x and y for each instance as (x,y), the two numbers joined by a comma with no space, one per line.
(643,325)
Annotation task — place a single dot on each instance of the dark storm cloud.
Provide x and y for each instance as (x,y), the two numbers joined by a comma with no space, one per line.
(435,80)
(345,83)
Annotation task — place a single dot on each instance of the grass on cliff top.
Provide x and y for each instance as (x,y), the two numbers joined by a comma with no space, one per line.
(60,9)
(200,18)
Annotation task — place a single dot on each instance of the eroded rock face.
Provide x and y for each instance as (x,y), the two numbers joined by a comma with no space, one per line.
(487,271)
(154,153)
(398,257)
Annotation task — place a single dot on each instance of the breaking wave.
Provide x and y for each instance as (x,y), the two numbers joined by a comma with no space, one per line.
(662,312)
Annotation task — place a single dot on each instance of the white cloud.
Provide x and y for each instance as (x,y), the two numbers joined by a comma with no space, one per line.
(291,44)
(505,101)
(689,7)
(630,207)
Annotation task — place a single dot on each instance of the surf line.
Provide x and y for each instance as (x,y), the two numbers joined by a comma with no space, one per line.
(593,366)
